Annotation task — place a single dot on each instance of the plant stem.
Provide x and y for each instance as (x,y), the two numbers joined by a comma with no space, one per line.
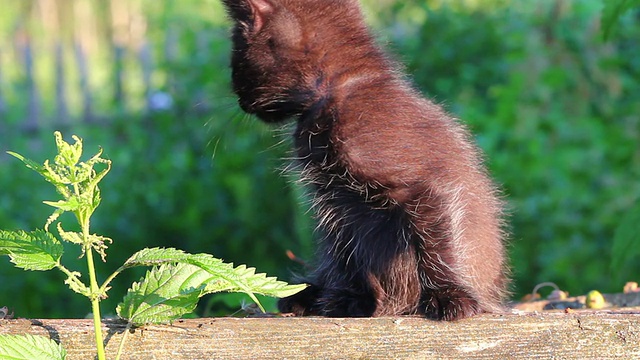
(105,284)
(122,341)
(95,303)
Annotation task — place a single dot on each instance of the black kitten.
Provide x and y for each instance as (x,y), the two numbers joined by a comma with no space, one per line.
(409,221)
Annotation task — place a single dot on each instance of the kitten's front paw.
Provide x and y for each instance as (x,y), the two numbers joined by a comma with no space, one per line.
(300,304)
(449,304)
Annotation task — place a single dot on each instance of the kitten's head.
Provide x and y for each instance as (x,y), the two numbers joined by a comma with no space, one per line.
(282,51)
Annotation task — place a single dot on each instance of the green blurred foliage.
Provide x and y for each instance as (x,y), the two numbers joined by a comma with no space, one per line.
(612,11)
(555,108)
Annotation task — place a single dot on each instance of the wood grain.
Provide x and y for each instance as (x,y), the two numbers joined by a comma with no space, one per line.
(578,334)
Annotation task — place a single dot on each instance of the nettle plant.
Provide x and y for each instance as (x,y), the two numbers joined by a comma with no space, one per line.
(170,289)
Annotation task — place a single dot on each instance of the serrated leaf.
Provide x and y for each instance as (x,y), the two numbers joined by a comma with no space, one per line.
(72,204)
(99,244)
(30,347)
(156,256)
(28,162)
(53,217)
(96,177)
(70,236)
(626,240)
(68,155)
(612,11)
(57,175)
(245,279)
(224,276)
(45,171)
(165,293)
(74,283)
(95,198)
(242,279)
(36,250)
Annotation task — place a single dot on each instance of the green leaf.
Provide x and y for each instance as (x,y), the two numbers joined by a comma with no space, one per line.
(30,347)
(53,217)
(626,240)
(228,278)
(96,177)
(166,293)
(58,176)
(156,256)
(224,276)
(29,163)
(242,279)
(68,155)
(70,236)
(72,204)
(46,171)
(612,11)
(74,283)
(36,250)
(99,244)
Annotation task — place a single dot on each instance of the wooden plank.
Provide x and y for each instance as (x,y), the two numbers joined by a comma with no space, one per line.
(577,334)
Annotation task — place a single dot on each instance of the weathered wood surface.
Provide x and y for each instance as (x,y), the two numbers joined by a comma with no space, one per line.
(558,335)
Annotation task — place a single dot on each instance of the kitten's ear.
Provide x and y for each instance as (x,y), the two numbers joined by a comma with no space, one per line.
(261,10)
(251,12)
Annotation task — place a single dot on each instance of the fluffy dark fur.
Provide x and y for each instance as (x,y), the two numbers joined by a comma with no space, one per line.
(409,221)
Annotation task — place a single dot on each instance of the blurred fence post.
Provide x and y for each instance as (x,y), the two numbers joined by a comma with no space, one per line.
(3,108)
(146,63)
(201,99)
(33,105)
(3,111)
(62,110)
(170,57)
(118,91)
(83,72)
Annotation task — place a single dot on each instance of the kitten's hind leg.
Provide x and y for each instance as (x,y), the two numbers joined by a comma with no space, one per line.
(448,304)
(441,298)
